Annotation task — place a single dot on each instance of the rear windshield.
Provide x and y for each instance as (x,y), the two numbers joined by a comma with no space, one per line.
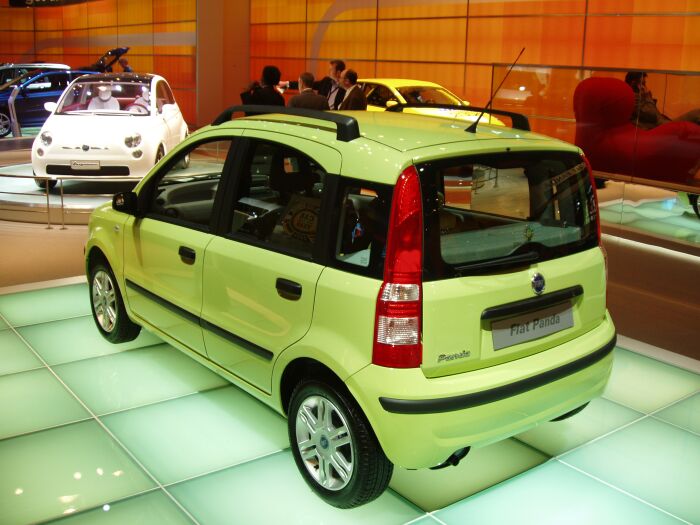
(499,211)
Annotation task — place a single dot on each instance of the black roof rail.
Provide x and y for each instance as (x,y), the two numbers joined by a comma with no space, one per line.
(347,127)
(520,121)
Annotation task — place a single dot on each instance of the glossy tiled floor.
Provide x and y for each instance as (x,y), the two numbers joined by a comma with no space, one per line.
(92,433)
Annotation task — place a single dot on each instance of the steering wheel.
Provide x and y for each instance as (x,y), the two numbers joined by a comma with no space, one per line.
(137,109)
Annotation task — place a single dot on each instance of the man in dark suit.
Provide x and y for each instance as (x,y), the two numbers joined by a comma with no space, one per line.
(354,97)
(306,97)
(264,93)
(330,86)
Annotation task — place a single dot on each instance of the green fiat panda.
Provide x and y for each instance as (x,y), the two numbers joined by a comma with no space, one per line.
(400,288)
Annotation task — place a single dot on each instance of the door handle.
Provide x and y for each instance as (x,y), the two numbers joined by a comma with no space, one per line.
(288,289)
(187,255)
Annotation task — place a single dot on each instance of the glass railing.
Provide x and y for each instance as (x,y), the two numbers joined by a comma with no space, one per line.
(647,161)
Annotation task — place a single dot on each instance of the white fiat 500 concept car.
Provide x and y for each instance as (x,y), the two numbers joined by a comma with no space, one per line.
(113,124)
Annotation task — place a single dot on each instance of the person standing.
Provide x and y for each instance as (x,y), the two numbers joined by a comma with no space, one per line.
(264,93)
(646,113)
(330,86)
(125,65)
(307,98)
(354,97)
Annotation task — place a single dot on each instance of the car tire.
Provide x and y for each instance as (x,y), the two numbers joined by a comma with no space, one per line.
(107,306)
(159,154)
(42,183)
(571,413)
(5,124)
(334,446)
(694,203)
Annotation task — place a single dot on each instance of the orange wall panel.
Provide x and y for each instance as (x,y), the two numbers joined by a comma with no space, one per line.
(102,13)
(394,9)
(547,40)
(651,42)
(15,43)
(75,16)
(15,19)
(48,18)
(187,101)
(643,6)
(101,40)
(477,84)
(48,43)
(345,40)
(131,12)
(535,7)
(174,10)
(438,40)
(138,38)
(271,11)
(331,10)
(178,70)
(75,42)
(278,40)
(175,39)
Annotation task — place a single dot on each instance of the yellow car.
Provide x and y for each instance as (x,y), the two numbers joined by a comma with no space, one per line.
(383,93)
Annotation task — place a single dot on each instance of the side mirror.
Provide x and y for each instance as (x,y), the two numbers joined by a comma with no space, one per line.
(169,109)
(466,103)
(50,106)
(126,202)
(390,103)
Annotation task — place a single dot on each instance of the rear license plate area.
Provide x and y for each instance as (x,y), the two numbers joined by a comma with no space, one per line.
(532,325)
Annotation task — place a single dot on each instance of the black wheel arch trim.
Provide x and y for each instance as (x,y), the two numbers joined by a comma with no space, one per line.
(217,330)
(451,404)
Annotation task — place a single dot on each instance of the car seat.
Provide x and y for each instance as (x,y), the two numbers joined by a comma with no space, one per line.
(604,131)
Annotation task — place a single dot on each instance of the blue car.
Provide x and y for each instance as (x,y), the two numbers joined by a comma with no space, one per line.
(34,91)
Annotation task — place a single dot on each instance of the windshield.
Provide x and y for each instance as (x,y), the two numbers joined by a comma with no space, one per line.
(428,95)
(111,97)
(497,211)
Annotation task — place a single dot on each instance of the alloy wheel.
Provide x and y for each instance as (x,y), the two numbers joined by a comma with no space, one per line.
(324,442)
(104,300)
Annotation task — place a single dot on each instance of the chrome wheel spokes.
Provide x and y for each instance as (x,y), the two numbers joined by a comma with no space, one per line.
(104,300)
(325,442)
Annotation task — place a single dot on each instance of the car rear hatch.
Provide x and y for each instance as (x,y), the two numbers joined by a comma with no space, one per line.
(512,263)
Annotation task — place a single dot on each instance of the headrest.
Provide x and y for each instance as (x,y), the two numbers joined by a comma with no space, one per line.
(600,100)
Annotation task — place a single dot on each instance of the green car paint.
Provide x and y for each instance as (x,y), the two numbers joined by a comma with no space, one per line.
(270,318)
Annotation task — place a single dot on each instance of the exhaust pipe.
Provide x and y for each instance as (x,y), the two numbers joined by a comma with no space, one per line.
(454,459)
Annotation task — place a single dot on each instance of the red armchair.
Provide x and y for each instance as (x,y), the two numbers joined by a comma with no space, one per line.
(612,143)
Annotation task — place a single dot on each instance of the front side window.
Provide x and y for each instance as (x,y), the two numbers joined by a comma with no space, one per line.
(185,193)
(379,95)
(505,210)
(279,199)
(428,95)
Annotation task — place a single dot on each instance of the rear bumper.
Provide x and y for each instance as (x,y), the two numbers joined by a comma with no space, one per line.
(420,422)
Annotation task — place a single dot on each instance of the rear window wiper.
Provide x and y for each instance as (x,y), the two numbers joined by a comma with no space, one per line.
(509,260)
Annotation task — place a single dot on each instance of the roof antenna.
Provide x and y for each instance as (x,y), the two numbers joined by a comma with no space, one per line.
(472,126)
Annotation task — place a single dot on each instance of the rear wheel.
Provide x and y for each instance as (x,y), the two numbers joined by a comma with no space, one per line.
(694,203)
(334,446)
(5,126)
(108,307)
(159,154)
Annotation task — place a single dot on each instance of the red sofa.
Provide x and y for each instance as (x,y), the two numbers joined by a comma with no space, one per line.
(612,143)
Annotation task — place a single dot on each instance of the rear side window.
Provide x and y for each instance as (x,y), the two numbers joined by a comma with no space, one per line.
(363,226)
(492,212)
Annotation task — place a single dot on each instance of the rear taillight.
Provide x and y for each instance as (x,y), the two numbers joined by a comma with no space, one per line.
(597,213)
(595,197)
(398,318)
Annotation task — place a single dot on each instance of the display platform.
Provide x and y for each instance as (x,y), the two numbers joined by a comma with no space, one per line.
(21,200)
(140,433)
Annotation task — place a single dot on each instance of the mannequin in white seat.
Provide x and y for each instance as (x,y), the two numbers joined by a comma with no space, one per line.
(142,104)
(104,100)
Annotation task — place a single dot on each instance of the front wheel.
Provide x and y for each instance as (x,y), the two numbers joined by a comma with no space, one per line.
(5,126)
(42,183)
(108,306)
(334,446)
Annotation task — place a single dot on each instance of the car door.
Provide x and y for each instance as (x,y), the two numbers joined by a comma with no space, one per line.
(29,104)
(164,249)
(260,276)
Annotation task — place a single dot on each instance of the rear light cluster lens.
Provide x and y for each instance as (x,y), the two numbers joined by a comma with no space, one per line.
(398,321)
(597,216)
